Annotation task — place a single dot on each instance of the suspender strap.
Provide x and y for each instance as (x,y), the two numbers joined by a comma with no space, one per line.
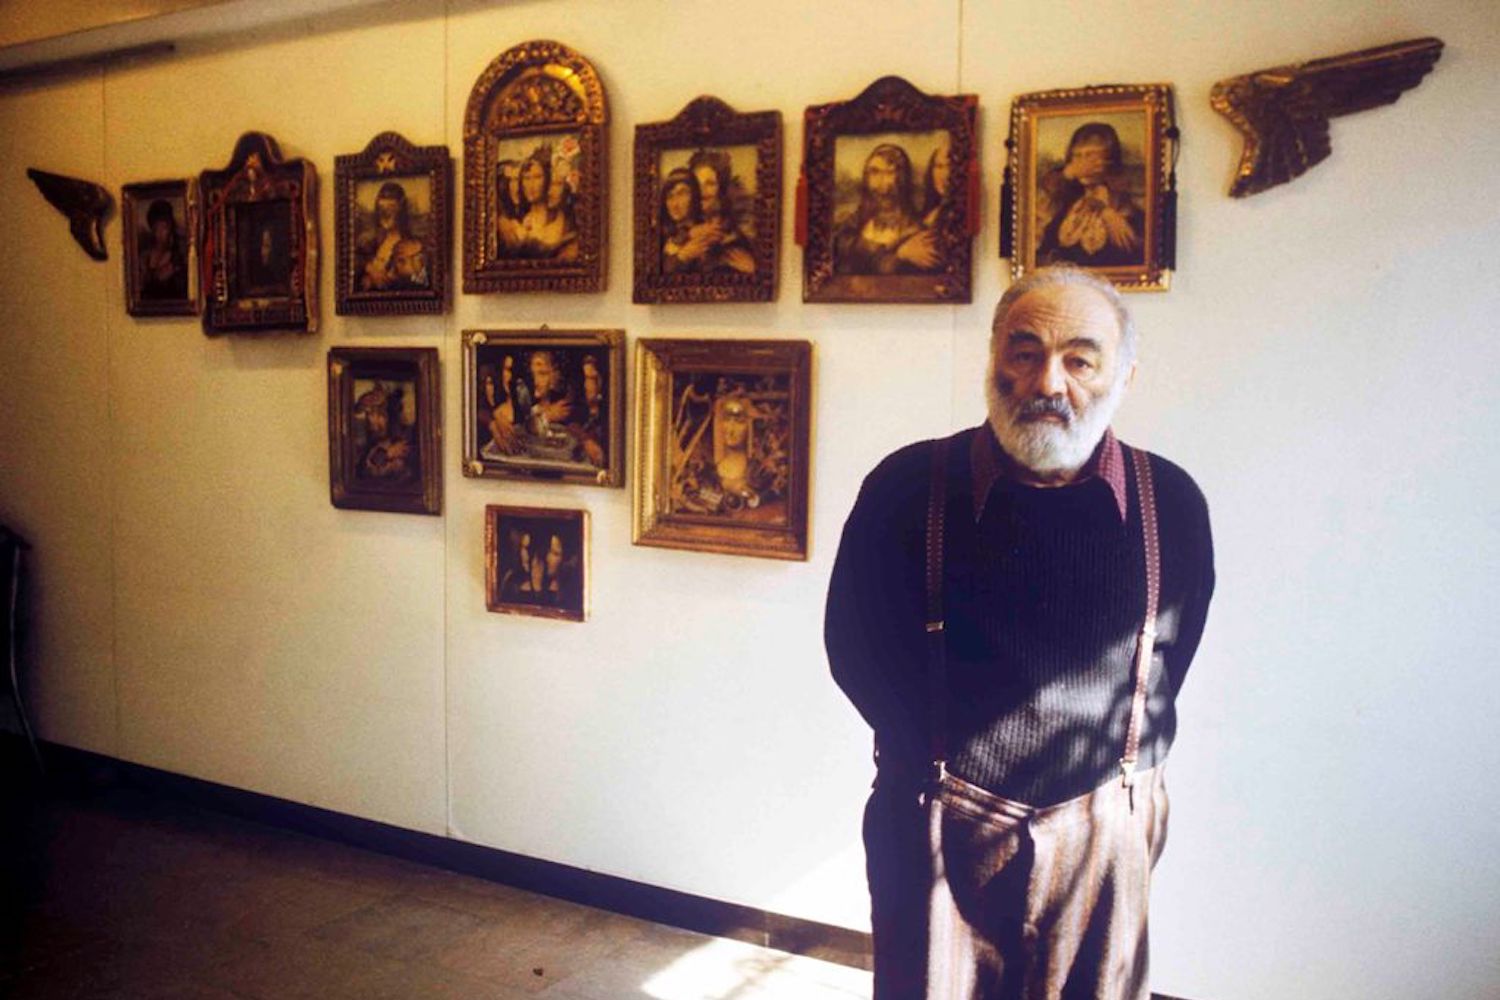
(1145,642)
(937,663)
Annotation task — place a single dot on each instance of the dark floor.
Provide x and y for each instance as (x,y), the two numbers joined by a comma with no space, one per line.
(115,892)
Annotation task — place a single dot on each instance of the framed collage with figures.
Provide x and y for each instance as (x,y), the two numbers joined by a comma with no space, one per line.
(722,434)
(545,404)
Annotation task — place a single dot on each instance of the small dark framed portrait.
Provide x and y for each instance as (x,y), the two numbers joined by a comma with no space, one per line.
(534,185)
(1090,168)
(384,429)
(393,231)
(536,561)
(260,241)
(545,404)
(161,260)
(890,214)
(708,205)
(722,443)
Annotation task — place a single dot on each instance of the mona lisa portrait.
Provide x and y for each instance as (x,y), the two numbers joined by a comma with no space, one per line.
(1091,170)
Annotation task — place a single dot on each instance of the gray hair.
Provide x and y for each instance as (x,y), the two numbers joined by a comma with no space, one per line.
(1070,274)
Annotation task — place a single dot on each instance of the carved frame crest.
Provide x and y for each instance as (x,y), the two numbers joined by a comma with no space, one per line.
(926,262)
(537,103)
(406,272)
(259,241)
(703,132)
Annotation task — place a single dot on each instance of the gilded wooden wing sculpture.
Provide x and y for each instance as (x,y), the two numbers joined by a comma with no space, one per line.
(1284,111)
(83,202)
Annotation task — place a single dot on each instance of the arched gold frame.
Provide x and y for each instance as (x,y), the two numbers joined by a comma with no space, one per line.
(538,88)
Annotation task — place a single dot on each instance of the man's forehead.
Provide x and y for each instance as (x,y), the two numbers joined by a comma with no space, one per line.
(1063,310)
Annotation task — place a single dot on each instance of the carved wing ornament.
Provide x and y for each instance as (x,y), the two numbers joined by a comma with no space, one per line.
(1284,111)
(84,203)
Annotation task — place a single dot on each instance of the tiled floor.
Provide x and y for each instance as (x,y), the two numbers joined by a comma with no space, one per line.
(122,894)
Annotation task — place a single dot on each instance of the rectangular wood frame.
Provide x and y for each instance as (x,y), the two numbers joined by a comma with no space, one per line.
(737,265)
(406,270)
(369,470)
(722,446)
(536,561)
(1118,224)
(260,241)
(580,435)
(919,247)
(141,206)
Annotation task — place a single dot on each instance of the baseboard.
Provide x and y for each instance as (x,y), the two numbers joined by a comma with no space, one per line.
(69,766)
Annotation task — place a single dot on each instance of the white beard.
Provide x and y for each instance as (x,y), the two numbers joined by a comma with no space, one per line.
(1044,446)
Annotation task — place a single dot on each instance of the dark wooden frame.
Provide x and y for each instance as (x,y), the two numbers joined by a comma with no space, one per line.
(257,176)
(610,343)
(132,197)
(389,157)
(535,89)
(424,495)
(1154,101)
(891,104)
(708,122)
(494,516)
(659,413)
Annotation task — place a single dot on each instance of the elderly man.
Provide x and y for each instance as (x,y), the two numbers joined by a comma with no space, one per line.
(1013,610)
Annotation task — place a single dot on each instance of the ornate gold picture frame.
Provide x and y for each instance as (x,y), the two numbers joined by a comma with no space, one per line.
(722,441)
(393,228)
(545,404)
(534,174)
(384,429)
(708,205)
(159,220)
(260,241)
(536,561)
(890,178)
(1091,171)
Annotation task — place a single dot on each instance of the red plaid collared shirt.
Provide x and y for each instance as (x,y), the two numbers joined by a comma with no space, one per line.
(991,463)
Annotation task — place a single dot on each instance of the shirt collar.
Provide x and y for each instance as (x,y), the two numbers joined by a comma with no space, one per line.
(990,463)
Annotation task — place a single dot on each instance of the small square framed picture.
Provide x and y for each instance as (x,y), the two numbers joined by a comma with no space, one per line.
(161,261)
(383,429)
(536,561)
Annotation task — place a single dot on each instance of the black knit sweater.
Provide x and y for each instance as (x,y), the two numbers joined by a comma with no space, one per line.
(1043,598)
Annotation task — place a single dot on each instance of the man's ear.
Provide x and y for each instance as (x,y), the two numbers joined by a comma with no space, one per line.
(1130,377)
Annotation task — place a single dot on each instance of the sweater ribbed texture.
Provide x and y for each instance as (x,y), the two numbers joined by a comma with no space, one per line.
(1044,597)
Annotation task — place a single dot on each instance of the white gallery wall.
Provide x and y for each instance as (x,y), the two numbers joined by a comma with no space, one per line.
(1323,365)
